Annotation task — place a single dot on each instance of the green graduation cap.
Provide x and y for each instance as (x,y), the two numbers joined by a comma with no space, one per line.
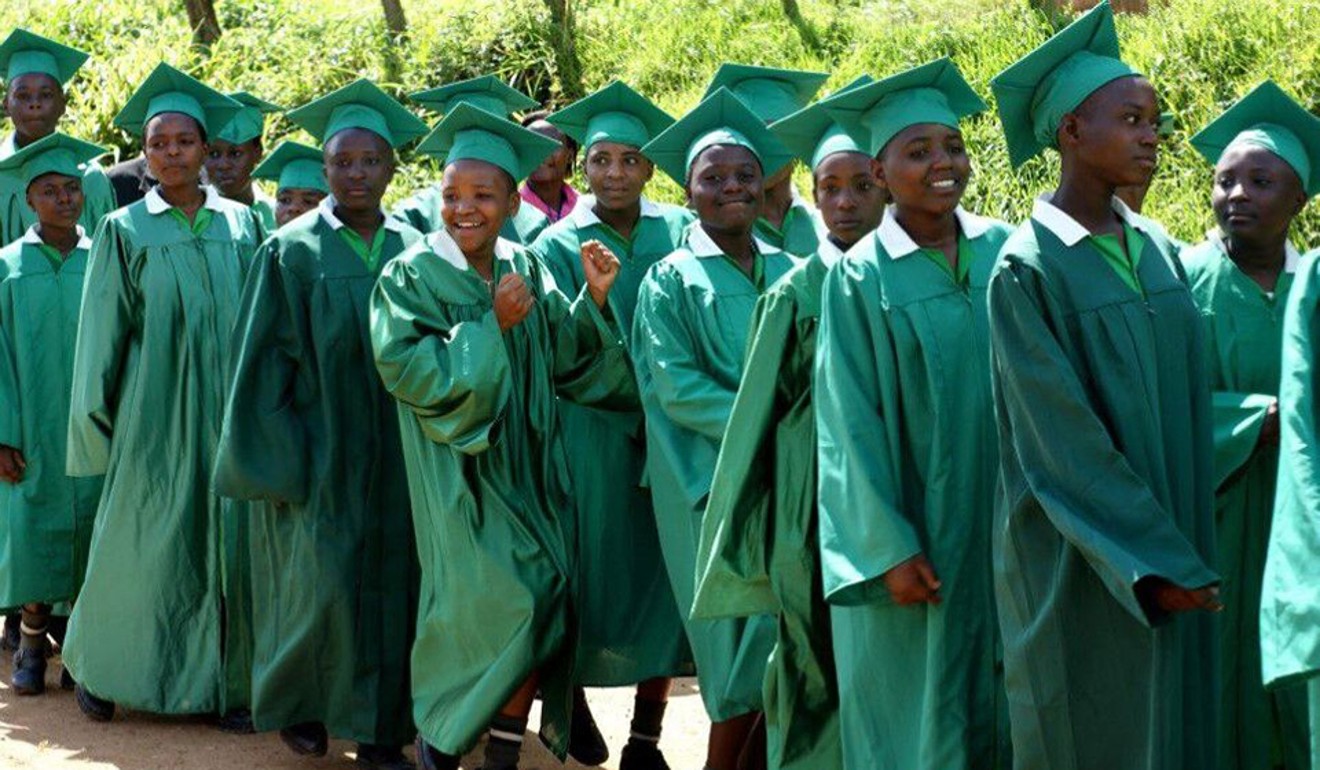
(615,113)
(24,52)
(813,135)
(360,104)
(54,154)
(471,133)
(934,92)
(487,92)
(1269,118)
(722,119)
(250,121)
(771,94)
(294,166)
(1038,90)
(167,89)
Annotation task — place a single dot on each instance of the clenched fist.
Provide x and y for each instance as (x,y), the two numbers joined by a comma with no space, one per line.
(513,301)
(600,267)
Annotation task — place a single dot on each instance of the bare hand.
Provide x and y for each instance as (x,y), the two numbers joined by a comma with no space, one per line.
(513,301)
(12,464)
(913,582)
(1175,598)
(1269,429)
(600,267)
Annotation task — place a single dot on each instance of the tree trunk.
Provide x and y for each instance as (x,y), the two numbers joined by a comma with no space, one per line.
(396,30)
(395,21)
(794,15)
(1120,6)
(201,18)
(564,40)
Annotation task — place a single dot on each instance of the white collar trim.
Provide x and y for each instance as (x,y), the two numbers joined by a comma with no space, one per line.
(34,238)
(897,243)
(445,247)
(583,214)
(158,205)
(1069,230)
(326,208)
(701,244)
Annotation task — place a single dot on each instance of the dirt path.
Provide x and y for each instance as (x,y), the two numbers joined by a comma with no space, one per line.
(48,732)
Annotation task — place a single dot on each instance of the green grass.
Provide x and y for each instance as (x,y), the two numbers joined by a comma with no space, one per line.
(1201,55)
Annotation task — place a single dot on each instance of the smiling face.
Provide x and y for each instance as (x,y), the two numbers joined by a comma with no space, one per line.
(476,199)
(1114,134)
(175,146)
(293,202)
(359,165)
(848,195)
(617,173)
(925,168)
(725,188)
(35,103)
(229,166)
(1256,194)
(57,199)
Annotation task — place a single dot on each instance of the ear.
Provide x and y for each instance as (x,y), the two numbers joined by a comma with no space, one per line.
(515,202)
(1070,130)
(650,172)
(62,104)
(687,195)
(878,169)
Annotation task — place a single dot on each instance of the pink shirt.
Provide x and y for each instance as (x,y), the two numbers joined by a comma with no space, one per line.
(566,208)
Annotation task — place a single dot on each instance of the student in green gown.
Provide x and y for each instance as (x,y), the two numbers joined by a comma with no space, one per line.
(1240,278)
(759,545)
(234,152)
(1104,529)
(474,341)
(311,434)
(787,221)
(631,631)
(36,71)
(149,380)
(423,209)
(689,335)
(45,516)
(298,172)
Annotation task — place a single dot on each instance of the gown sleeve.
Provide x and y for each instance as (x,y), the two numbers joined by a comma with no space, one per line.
(11,404)
(1238,418)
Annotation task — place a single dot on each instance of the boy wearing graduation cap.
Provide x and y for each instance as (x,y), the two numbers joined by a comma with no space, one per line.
(310,435)
(423,210)
(631,632)
(689,336)
(36,70)
(787,222)
(298,172)
(475,341)
(1266,155)
(1104,522)
(45,516)
(149,379)
(234,152)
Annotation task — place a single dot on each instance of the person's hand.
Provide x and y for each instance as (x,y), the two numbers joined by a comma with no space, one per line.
(600,267)
(12,464)
(913,582)
(513,301)
(1269,429)
(1174,598)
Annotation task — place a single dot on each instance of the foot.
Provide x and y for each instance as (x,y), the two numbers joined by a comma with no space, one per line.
(430,759)
(642,756)
(585,743)
(66,679)
(236,722)
(382,757)
(93,707)
(29,677)
(308,739)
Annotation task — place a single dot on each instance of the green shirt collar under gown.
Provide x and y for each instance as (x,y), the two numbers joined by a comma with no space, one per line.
(33,238)
(702,246)
(370,253)
(1071,232)
(1269,118)
(898,244)
(167,89)
(157,205)
(25,52)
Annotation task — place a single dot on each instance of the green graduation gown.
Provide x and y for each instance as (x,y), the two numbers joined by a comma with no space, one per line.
(488,477)
(689,337)
(45,519)
(1290,595)
(311,433)
(759,549)
(800,232)
(162,624)
(16,216)
(1244,326)
(264,208)
(422,211)
(630,628)
(1103,405)
(908,465)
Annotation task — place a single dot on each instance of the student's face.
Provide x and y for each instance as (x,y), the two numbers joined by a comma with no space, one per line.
(57,200)
(556,168)
(926,168)
(35,102)
(359,165)
(229,166)
(175,149)
(848,195)
(616,174)
(1256,195)
(293,202)
(1114,134)
(725,188)
(476,198)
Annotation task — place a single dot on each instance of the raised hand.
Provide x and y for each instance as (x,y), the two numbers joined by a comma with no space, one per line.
(513,301)
(600,267)
(913,582)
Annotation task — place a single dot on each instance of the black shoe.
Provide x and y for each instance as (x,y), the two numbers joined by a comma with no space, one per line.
(639,755)
(308,739)
(93,707)
(430,759)
(66,679)
(236,722)
(10,639)
(585,743)
(29,676)
(382,757)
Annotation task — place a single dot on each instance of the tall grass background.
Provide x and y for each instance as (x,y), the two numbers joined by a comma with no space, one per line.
(1200,54)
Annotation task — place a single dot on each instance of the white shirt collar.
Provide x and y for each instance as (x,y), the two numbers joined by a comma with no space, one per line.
(827,251)
(326,208)
(1069,230)
(897,243)
(158,205)
(445,247)
(34,238)
(701,244)
(583,214)
(1291,256)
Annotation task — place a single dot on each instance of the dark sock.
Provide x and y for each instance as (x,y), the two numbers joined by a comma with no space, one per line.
(505,743)
(33,636)
(648,717)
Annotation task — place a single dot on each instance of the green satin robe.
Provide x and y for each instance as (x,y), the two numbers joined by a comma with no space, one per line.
(163,621)
(630,628)
(264,208)
(800,232)
(16,216)
(422,212)
(311,434)
(488,477)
